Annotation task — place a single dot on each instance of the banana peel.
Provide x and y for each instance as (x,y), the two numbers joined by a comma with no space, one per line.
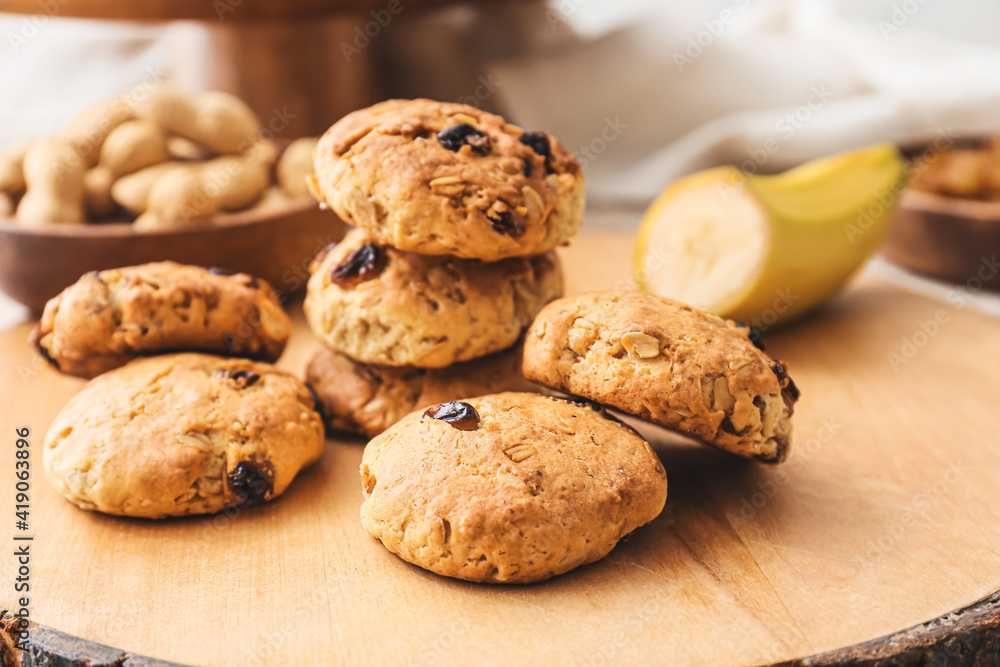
(766,249)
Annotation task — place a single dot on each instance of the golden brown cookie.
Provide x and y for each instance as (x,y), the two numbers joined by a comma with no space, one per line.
(669,363)
(183,434)
(508,488)
(368,398)
(449,179)
(108,318)
(379,305)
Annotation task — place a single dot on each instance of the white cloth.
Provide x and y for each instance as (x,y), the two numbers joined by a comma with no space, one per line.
(52,68)
(761,84)
(642,90)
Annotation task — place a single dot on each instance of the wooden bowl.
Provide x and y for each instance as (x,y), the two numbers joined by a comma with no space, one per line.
(277,245)
(946,237)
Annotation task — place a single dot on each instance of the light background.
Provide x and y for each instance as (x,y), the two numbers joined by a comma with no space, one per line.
(642,90)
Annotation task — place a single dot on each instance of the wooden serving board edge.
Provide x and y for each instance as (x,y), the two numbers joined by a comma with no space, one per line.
(967,636)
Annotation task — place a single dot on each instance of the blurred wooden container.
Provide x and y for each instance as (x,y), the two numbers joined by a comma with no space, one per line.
(283,58)
(217,10)
(36,264)
(948,238)
(299,64)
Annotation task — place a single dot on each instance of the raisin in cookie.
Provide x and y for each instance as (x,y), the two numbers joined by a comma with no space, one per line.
(379,305)
(183,434)
(368,398)
(108,318)
(449,179)
(669,363)
(508,488)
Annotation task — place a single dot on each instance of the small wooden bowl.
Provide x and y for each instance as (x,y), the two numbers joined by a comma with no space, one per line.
(277,245)
(946,237)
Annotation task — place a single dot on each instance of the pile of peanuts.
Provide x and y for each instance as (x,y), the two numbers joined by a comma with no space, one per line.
(971,172)
(173,160)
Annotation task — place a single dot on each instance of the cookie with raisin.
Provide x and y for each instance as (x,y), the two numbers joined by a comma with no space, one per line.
(369,398)
(183,434)
(449,179)
(380,305)
(508,488)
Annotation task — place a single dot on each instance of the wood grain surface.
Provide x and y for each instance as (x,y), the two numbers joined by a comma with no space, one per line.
(887,515)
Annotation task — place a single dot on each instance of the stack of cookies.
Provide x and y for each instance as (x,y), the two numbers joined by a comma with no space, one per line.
(517,488)
(436,314)
(457,213)
(158,433)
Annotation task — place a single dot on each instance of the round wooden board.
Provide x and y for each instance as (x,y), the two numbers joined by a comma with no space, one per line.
(886,516)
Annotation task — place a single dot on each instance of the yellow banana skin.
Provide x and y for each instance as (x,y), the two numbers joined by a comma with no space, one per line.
(824,219)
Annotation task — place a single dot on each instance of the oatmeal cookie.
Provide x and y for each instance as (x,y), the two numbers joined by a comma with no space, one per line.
(508,488)
(182,434)
(449,179)
(669,363)
(368,398)
(379,305)
(108,318)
